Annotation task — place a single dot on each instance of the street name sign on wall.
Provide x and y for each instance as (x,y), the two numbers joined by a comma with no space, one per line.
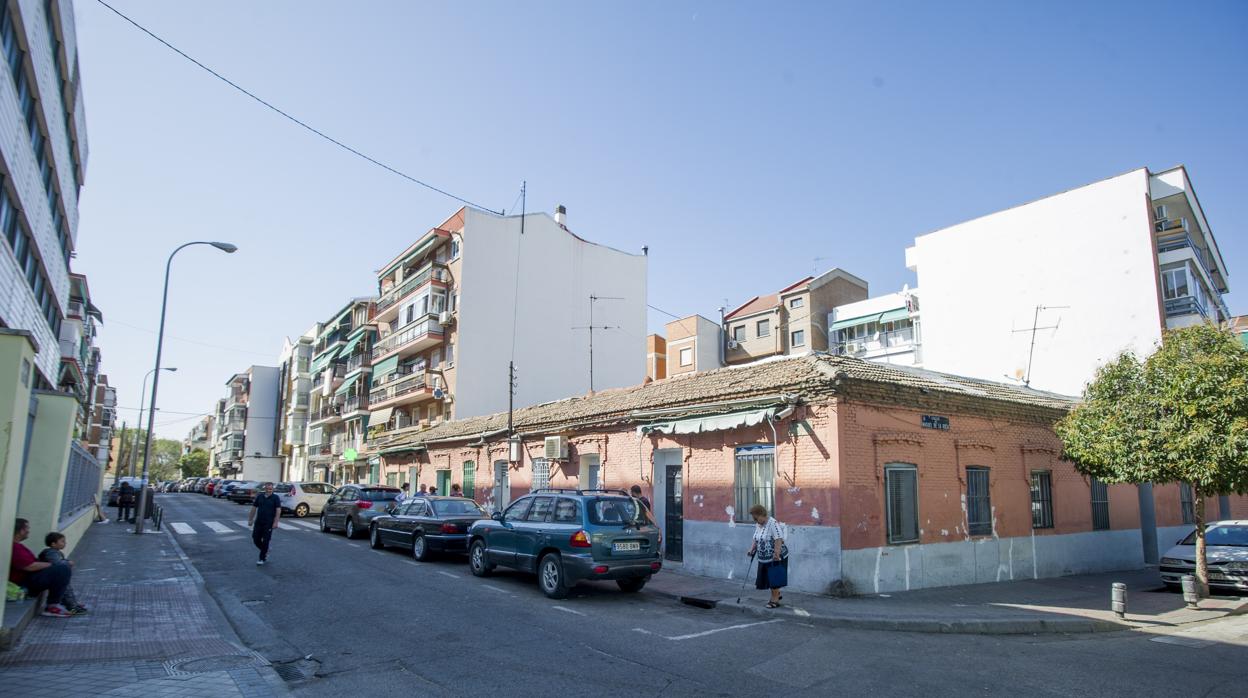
(931,421)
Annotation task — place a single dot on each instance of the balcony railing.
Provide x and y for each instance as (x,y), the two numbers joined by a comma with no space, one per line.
(876,342)
(356,361)
(354,404)
(1186,305)
(233,425)
(328,411)
(402,386)
(431,272)
(412,332)
(1176,241)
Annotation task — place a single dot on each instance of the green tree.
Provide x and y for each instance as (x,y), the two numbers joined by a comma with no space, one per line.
(194,464)
(1181,415)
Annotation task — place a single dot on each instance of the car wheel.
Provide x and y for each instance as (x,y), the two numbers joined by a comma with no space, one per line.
(420,548)
(478,562)
(374,538)
(301,510)
(550,576)
(633,585)
(350,529)
(324,524)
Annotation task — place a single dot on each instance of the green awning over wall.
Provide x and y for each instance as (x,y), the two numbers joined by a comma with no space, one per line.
(894,315)
(320,362)
(350,346)
(346,385)
(718,422)
(886,316)
(384,367)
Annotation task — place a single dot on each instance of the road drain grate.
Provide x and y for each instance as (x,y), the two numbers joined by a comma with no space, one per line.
(298,670)
(201,665)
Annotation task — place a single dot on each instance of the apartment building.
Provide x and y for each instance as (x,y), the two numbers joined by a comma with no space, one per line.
(447,305)
(200,436)
(99,436)
(246,425)
(883,328)
(694,344)
(1096,270)
(790,322)
(294,399)
(656,357)
(338,407)
(42,164)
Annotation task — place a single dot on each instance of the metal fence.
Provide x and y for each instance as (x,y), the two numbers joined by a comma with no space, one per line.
(82,481)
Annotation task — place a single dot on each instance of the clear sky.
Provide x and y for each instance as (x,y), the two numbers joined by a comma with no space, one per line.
(744,143)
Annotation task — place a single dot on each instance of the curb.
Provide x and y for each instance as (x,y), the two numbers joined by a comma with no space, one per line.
(991,626)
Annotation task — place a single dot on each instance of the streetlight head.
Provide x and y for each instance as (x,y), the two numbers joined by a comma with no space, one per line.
(170,368)
(224,246)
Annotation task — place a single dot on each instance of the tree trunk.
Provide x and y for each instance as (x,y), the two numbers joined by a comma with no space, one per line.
(1202,564)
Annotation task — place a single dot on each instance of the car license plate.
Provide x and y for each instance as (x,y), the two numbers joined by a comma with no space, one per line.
(626,547)
(1218,576)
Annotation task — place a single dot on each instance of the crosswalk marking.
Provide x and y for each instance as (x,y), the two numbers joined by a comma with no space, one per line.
(306,524)
(241,523)
(184,529)
(218,527)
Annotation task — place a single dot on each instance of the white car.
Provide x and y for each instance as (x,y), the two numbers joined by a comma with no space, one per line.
(1226,552)
(303,498)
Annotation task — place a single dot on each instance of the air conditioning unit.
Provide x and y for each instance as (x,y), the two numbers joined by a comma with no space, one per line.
(556,447)
(444,318)
(732,344)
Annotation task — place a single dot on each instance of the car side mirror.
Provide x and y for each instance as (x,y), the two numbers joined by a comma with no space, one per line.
(497,516)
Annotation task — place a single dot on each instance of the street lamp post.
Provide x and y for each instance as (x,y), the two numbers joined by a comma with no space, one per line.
(160,342)
(142,401)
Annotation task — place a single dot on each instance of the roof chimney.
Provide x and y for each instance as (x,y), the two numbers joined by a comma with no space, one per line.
(561,215)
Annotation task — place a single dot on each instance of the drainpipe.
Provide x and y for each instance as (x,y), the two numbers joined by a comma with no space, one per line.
(723,337)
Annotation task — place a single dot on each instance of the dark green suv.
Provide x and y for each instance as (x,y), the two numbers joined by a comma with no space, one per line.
(567,536)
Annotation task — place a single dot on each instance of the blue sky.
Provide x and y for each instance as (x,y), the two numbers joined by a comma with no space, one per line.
(740,142)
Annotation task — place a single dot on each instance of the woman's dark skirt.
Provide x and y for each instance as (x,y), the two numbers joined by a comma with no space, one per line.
(772,575)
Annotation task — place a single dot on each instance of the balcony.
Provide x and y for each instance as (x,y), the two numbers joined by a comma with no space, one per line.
(232,425)
(354,403)
(429,273)
(1171,241)
(357,361)
(1185,305)
(74,310)
(328,411)
(399,388)
(878,344)
(411,338)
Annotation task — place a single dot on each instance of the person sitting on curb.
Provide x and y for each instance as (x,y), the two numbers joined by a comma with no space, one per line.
(35,576)
(54,553)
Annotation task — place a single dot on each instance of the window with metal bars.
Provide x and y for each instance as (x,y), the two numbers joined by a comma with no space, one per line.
(1041,499)
(470,479)
(1100,505)
(541,474)
(1187,504)
(755,480)
(978,502)
(901,488)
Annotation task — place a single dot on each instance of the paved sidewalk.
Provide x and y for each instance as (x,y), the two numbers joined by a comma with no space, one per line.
(1078,604)
(152,630)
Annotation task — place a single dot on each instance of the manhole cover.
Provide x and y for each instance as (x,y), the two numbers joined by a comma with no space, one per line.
(223,662)
(298,670)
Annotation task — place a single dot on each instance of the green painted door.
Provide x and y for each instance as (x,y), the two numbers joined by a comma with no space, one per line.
(375,475)
(444,482)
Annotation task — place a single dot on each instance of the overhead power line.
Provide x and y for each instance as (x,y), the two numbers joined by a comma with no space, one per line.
(294,119)
(190,341)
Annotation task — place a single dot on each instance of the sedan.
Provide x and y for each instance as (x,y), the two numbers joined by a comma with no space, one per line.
(223,488)
(1226,552)
(244,492)
(427,525)
(353,507)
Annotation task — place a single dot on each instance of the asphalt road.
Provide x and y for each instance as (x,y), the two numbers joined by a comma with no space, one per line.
(379,623)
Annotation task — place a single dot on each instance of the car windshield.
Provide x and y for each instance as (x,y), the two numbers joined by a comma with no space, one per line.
(378,495)
(1236,536)
(454,507)
(617,511)
(283,488)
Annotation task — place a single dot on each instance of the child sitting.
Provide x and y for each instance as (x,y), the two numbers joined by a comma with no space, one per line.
(56,543)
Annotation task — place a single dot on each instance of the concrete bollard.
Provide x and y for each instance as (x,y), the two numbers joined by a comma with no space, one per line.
(1118,599)
(1189,590)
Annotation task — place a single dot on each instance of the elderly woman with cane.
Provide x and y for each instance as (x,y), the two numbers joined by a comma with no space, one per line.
(773,554)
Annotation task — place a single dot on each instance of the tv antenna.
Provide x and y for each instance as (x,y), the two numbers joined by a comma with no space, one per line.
(591,327)
(1035,322)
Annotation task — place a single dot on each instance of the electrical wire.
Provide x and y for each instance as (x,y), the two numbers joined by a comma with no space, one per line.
(671,315)
(191,341)
(292,118)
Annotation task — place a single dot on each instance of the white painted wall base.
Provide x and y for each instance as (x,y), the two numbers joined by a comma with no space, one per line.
(902,567)
(717,549)
(1168,536)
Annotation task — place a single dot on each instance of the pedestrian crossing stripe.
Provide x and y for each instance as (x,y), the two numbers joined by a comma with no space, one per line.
(186,529)
(182,528)
(306,524)
(218,527)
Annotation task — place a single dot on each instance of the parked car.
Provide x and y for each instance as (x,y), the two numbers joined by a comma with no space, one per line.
(567,536)
(427,525)
(224,488)
(200,484)
(353,507)
(1226,552)
(244,492)
(303,498)
(211,485)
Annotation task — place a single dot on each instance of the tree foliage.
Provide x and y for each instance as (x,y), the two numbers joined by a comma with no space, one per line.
(1181,415)
(195,463)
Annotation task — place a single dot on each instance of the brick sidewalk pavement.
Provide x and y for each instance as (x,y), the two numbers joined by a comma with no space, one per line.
(152,630)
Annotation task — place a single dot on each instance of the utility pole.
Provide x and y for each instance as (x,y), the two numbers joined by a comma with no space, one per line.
(121,443)
(591,328)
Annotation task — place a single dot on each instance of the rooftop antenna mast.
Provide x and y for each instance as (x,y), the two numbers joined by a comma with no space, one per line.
(1035,322)
(591,327)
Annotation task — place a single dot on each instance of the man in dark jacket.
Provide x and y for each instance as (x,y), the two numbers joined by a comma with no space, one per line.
(265,511)
(125,503)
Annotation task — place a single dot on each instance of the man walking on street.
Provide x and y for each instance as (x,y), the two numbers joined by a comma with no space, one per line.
(265,512)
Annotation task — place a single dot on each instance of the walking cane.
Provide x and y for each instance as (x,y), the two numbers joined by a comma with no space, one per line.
(746,578)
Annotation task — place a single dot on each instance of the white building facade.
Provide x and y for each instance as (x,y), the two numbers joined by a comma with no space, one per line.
(1095,271)
(246,423)
(884,328)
